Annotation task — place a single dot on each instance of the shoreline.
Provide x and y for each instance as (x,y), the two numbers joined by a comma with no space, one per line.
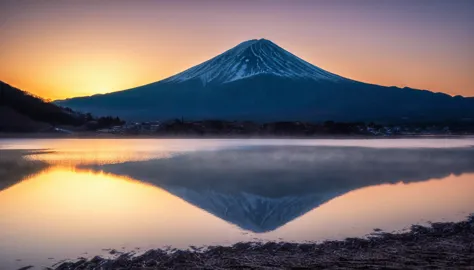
(443,245)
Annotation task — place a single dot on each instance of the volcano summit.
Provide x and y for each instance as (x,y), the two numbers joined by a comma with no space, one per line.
(259,81)
(252,58)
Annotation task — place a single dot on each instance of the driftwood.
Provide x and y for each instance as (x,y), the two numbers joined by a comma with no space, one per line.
(439,246)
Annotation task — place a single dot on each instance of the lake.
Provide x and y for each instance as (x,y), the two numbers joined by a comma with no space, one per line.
(83,197)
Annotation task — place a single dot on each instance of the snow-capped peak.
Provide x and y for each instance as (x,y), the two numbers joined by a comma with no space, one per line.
(250,58)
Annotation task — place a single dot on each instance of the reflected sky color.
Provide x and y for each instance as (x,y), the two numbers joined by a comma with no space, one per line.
(77,213)
(73,208)
(59,49)
(388,207)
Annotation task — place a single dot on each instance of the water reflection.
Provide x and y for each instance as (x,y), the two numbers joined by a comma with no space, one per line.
(70,201)
(15,167)
(261,189)
(63,213)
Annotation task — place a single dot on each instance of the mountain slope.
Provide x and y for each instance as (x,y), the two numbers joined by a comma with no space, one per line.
(21,111)
(259,81)
(11,120)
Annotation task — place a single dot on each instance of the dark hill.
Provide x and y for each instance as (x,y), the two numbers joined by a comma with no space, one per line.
(11,120)
(22,111)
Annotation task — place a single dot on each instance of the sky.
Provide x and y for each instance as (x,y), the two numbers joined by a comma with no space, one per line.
(59,49)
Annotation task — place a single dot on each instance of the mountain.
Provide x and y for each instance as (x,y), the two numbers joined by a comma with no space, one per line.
(21,111)
(262,188)
(259,81)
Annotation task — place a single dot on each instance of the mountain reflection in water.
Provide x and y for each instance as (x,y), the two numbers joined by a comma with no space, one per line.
(78,197)
(262,188)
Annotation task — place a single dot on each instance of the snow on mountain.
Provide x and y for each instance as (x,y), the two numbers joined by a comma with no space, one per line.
(251,212)
(250,58)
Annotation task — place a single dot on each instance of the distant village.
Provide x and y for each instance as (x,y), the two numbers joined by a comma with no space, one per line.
(179,127)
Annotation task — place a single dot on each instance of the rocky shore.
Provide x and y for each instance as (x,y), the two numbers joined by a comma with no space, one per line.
(446,245)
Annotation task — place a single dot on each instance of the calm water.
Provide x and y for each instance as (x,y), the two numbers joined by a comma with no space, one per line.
(93,195)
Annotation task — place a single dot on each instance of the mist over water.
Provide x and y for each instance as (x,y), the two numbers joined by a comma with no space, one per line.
(82,196)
